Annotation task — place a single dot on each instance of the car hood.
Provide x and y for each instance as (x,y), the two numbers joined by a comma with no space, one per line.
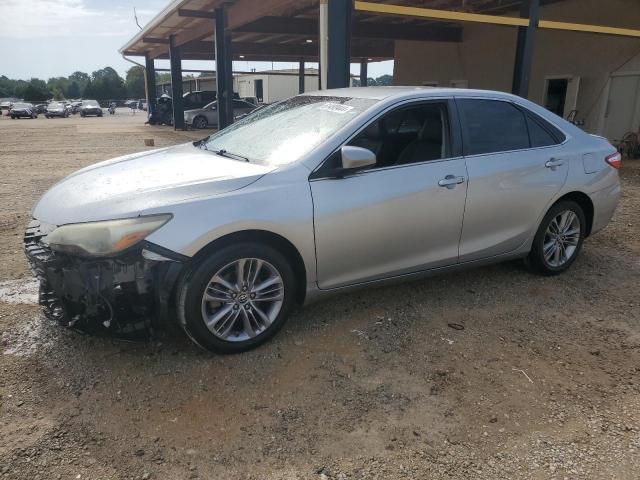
(134,184)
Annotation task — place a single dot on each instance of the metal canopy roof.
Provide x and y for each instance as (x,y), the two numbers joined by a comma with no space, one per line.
(288,29)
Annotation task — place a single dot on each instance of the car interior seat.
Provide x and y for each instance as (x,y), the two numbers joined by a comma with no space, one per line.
(429,143)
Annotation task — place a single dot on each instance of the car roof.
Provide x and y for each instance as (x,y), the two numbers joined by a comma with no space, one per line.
(383,93)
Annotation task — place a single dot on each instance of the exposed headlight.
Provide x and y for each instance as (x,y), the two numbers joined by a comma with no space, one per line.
(104,238)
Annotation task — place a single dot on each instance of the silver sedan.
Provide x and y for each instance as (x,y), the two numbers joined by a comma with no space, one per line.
(315,195)
(207,116)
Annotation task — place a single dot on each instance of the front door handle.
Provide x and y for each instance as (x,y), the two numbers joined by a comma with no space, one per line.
(450,181)
(554,163)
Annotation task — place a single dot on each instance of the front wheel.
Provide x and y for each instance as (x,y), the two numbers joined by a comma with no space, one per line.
(237,298)
(558,240)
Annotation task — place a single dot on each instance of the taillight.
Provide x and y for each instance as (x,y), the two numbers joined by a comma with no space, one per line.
(615,160)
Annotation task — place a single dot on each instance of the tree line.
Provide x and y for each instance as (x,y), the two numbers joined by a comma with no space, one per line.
(103,84)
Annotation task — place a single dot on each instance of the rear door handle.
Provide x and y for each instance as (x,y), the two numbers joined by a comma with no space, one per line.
(554,163)
(450,181)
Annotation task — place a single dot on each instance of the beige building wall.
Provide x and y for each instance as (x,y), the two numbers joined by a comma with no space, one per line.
(485,57)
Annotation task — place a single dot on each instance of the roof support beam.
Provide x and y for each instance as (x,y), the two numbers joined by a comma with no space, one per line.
(388,9)
(161,41)
(196,50)
(150,85)
(176,84)
(339,51)
(308,28)
(224,75)
(184,12)
(524,48)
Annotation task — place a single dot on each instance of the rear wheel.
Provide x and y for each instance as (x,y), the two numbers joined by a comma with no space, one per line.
(558,240)
(200,122)
(237,298)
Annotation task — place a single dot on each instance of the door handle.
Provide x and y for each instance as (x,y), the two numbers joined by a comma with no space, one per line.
(450,181)
(554,163)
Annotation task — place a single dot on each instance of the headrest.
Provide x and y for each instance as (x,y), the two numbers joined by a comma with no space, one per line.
(431,130)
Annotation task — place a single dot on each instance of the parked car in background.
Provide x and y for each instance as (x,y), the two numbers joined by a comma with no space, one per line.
(57,109)
(90,107)
(75,106)
(198,99)
(142,105)
(23,110)
(315,195)
(5,106)
(41,108)
(207,117)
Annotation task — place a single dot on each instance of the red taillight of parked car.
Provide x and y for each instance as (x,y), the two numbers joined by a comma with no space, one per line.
(615,160)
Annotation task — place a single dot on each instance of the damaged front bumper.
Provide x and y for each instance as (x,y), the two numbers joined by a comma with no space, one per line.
(128,295)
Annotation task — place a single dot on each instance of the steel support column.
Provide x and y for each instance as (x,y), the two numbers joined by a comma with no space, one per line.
(524,48)
(150,84)
(301,77)
(176,84)
(363,72)
(339,48)
(224,70)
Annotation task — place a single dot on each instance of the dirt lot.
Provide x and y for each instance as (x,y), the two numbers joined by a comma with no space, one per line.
(542,383)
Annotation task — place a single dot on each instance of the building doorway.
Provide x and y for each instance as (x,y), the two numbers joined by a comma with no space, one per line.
(259,91)
(561,94)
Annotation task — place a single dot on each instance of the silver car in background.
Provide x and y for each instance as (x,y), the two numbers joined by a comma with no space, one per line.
(207,116)
(318,194)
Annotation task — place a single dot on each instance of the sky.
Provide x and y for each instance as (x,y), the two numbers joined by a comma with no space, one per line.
(51,38)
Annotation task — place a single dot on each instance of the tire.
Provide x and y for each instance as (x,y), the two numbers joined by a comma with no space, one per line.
(192,307)
(82,114)
(561,249)
(13,117)
(200,122)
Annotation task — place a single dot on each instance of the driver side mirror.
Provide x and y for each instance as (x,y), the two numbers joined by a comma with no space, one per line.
(356,157)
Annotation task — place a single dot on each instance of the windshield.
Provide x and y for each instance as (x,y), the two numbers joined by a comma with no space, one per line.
(22,105)
(283,132)
(55,105)
(90,103)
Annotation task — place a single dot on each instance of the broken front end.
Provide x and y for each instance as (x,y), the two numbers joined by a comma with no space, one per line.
(126,294)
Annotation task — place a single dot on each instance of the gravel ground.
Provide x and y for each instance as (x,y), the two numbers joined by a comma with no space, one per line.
(542,383)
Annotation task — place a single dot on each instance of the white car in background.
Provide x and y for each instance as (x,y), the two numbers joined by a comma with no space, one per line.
(207,116)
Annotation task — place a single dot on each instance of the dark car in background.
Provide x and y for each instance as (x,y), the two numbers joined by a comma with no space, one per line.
(90,107)
(41,108)
(198,99)
(23,110)
(57,109)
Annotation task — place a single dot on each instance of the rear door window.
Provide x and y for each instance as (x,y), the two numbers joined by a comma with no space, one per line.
(493,126)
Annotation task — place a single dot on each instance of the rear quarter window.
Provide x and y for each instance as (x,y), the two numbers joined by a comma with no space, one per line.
(493,126)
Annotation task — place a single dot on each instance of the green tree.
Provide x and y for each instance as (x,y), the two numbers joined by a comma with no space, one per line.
(36,91)
(384,80)
(61,83)
(58,94)
(107,84)
(135,82)
(80,78)
(73,90)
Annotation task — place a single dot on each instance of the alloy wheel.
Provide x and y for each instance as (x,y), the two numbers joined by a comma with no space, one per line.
(242,299)
(561,238)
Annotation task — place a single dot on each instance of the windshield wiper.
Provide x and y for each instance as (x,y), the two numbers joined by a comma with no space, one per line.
(224,153)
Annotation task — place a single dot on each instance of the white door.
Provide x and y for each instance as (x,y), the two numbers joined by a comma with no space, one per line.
(623,107)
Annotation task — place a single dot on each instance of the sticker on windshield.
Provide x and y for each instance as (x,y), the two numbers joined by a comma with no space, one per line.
(335,107)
